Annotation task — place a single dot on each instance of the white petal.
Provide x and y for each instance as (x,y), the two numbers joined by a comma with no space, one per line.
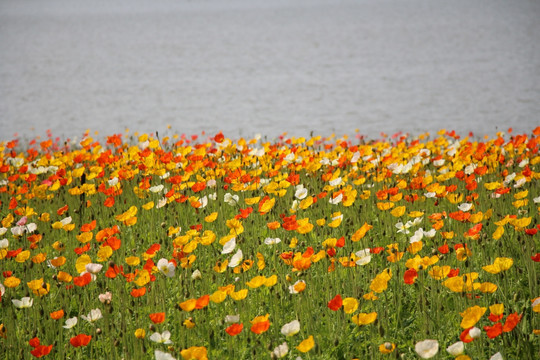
(456,348)
(236,259)
(427,349)
(229,246)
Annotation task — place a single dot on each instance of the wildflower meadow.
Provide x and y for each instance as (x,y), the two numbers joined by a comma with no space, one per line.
(167,246)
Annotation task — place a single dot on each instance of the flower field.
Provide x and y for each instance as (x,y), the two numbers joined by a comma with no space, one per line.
(203,247)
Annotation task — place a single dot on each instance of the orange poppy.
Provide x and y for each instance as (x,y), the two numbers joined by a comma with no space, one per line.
(80,340)
(260,327)
(55,315)
(234,329)
(138,292)
(157,318)
(82,280)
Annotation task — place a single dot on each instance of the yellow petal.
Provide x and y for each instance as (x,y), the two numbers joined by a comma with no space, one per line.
(306,345)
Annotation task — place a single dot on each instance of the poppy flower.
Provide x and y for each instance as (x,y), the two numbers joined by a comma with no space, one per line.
(157,318)
(82,280)
(80,340)
(55,315)
(493,331)
(427,349)
(511,322)
(306,344)
(410,276)
(41,350)
(234,329)
(387,348)
(163,338)
(291,328)
(456,349)
(336,303)
(280,351)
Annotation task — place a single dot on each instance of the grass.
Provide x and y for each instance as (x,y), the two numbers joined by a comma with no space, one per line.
(171,199)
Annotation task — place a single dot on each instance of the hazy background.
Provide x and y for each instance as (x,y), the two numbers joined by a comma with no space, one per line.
(261,66)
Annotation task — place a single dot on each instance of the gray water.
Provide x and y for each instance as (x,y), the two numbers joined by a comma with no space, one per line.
(265,66)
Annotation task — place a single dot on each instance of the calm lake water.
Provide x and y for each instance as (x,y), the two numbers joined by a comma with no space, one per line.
(259,66)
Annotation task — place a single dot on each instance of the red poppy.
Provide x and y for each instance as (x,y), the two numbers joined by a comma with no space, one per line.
(234,329)
(41,350)
(536,257)
(410,276)
(376,250)
(444,249)
(88,227)
(511,322)
(494,331)
(340,242)
(34,342)
(474,230)
(80,340)
(331,252)
(336,303)
(453,272)
(465,337)
(153,249)
(82,280)
(113,271)
(83,249)
(157,318)
(138,292)
(531,232)
(109,202)
(62,210)
(113,242)
(495,318)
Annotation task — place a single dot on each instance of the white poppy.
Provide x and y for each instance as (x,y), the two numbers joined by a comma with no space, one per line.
(465,207)
(71,322)
(25,302)
(105,298)
(93,268)
(4,243)
(232,318)
(94,315)
(66,220)
(163,338)
(166,267)
(456,348)
(281,350)
(291,328)
(196,275)
(113,181)
(496,356)
(431,233)
(231,199)
(364,257)
(272,241)
(30,228)
(335,182)
(229,246)
(161,203)
(156,188)
(301,193)
(236,259)
(427,349)
(160,355)
(418,235)
(475,332)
